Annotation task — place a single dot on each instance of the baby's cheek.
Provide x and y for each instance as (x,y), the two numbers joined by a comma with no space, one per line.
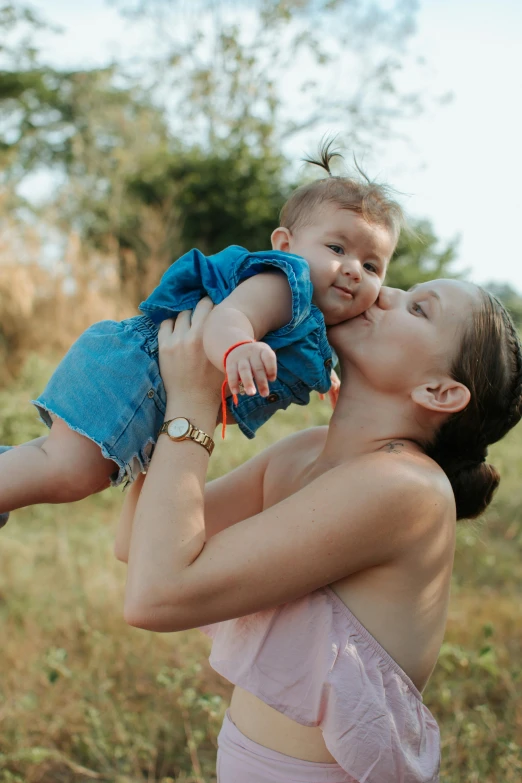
(368,294)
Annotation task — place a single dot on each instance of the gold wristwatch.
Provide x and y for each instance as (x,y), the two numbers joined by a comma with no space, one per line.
(180,428)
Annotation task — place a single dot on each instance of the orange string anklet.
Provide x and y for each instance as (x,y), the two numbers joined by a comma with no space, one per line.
(224,386)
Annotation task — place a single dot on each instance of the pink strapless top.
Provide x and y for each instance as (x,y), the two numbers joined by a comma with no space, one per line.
(312,660)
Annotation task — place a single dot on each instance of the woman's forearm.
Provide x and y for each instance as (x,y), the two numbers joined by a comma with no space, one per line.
(124,530)
(169,524)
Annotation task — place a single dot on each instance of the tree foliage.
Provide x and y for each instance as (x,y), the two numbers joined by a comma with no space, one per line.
(509,297)
(186,197)
(264,72)
(419,257)
(187,150)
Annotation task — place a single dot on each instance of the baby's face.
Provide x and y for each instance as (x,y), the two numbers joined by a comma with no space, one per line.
(348,258)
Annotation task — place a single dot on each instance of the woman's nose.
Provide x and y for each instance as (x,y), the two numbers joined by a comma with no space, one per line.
(388,297)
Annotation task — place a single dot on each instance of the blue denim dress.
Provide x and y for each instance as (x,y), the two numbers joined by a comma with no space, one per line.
(108,386)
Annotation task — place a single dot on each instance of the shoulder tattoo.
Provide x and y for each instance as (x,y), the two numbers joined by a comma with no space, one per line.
(395,447)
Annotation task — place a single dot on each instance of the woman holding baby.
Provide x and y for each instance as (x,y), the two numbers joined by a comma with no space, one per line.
(321,568)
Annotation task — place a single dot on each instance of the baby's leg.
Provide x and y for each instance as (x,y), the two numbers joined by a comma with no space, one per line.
(61,468)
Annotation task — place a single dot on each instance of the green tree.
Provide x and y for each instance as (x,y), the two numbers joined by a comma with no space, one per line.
(187,197)
(420,257)
(188,152)
(510,297)
(227,71)
(29,106)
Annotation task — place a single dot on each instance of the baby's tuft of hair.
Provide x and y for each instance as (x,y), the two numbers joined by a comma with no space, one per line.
(372,200)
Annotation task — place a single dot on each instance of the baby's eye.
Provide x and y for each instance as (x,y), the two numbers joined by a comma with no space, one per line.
(416,308)
(371,267)
(337,249)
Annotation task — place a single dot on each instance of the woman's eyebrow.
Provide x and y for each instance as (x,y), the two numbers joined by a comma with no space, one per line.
(429,291)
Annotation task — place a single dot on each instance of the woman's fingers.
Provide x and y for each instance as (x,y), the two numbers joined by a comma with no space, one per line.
(166,327)
(182,325)
(201,312)
(184,366)
(188,320)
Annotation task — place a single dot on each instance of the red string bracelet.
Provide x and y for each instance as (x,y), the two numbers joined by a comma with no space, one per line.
(224,386)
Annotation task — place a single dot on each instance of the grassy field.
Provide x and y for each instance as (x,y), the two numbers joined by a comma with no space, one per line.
(84,697)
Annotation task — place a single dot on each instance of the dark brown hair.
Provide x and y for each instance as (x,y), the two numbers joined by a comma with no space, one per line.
(489,363)
(371,200)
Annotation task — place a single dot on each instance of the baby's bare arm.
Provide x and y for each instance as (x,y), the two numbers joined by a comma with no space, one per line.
(257,306)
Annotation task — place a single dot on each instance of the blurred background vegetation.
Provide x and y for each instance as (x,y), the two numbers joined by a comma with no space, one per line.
(146,159)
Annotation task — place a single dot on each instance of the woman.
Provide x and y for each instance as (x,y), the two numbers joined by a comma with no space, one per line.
(335,546)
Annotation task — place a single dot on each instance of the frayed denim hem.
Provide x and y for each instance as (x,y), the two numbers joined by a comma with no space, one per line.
(127,471)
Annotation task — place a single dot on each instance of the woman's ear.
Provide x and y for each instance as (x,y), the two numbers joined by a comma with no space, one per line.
(281,239)
(448,396)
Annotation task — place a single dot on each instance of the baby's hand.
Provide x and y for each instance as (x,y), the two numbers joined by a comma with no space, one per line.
(333,393)
(249,362)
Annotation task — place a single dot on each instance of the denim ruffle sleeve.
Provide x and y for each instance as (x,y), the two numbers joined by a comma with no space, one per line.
(195,275)
(303,353)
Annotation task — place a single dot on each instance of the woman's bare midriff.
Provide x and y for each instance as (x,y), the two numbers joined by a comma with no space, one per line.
(402,604)
(270,728)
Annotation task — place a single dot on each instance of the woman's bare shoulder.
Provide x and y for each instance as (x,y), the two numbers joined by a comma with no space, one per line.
(312,437)
(414,475)
(300,446)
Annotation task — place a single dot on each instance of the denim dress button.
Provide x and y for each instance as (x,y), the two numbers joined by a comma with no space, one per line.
(328,363)
(150,394)
(272,397)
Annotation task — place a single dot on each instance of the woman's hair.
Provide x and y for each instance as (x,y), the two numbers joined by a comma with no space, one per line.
(371,200)
(489,363)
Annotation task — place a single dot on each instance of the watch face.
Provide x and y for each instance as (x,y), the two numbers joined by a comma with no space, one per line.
(178,427)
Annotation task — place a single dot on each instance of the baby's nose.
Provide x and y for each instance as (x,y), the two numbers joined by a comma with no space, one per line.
(353,268)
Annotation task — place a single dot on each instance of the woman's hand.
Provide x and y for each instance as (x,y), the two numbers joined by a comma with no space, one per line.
(184,367)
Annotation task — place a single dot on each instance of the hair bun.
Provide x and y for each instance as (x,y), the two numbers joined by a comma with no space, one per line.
(473,482)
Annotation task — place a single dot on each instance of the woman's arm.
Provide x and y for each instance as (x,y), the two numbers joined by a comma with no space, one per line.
(228,500)
(123,535)
(346,520)
(339,524)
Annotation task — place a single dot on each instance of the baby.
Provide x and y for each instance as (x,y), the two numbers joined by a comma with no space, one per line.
(105,403)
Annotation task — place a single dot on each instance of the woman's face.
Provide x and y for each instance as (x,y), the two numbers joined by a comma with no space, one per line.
(407,337)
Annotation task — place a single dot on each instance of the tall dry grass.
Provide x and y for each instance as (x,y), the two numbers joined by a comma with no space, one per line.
(44,307)
(84,697)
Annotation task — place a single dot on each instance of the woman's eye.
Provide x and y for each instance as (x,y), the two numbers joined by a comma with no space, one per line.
(337,249)
(416,308)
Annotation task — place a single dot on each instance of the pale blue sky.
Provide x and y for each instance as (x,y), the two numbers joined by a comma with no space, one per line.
(463,165)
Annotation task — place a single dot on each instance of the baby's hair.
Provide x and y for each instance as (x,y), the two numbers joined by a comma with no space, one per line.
(360,194)
(325,156)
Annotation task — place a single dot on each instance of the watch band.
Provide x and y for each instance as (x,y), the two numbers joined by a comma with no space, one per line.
(198,436)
